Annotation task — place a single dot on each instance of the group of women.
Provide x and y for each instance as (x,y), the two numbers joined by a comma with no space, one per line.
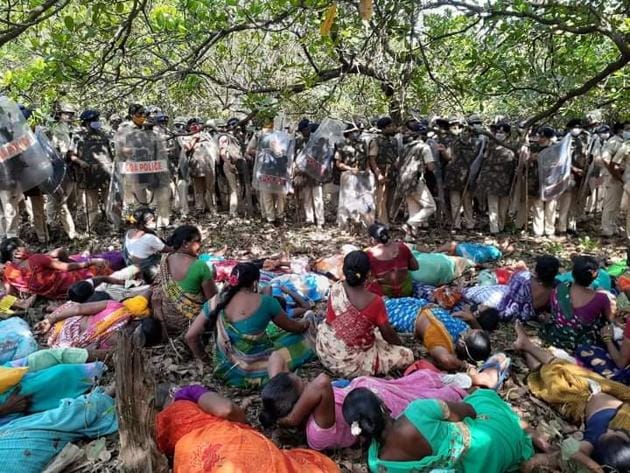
(436,409)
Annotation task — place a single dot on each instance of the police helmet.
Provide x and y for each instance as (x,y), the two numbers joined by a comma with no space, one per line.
(90,115)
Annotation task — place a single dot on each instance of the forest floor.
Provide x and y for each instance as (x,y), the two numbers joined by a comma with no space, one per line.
(244,239)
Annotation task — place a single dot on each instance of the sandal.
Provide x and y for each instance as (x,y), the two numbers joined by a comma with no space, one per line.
(502,367)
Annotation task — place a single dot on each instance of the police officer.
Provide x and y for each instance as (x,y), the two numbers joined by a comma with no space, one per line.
(231,157)
(568,205)
(613,186)
(138,142)
(544,212)
(203,154)
(272,203)
(383,153)
(418,159)
(92,156)
(459,156)
(177,155)
(63,200)
(496,176)
(352,164)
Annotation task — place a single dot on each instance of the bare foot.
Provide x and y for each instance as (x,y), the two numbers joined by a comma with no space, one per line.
(521,337)
(546,460)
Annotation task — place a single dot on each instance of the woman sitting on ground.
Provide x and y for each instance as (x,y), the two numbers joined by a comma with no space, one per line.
(95,324)
(243,345)
(48,275)
(316,405)
(581,396)
(356,339)
(207,433)
(578,313)
(184,283)
(480,434)
(142,247)
(528,294)
(612,360)
(391,263)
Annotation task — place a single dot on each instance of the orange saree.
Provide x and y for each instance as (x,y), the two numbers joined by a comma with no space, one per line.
(203,443)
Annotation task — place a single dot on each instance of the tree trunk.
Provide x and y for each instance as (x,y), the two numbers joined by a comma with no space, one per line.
(135,403)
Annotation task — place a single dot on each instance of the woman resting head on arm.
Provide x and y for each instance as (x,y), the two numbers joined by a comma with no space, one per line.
(48,275)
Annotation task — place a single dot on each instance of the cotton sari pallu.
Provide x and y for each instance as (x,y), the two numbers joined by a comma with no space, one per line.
(241,358)
(173,306)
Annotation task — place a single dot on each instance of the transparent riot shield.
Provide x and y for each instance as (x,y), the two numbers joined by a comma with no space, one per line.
(140,170)
(554,169)
(317,156)
(23,162)
(356,199)
(59,169)
(273,163)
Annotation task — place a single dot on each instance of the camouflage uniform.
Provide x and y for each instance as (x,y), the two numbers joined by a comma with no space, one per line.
(231,159)
(495,181)
(94,148)
(463,153)
(412,185)
(384,149)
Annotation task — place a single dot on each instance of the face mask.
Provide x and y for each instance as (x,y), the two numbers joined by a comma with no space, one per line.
(96,125)
(501,136)
(478,127)
(626,134)
(576,131)
(604,136)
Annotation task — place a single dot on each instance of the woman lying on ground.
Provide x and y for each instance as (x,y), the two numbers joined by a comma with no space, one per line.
(479,435)
(184,283)
(142,247)
(205,433)
(356,339)
(453,341)
(390,263)
(316,405)
(578,313)
(48,275)
(581,396)
(243,345)
(478,253)
(16,339)
(40,381)
(95,325)
(29,443)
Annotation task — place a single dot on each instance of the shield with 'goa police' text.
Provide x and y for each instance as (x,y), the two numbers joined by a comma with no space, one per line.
(140,169)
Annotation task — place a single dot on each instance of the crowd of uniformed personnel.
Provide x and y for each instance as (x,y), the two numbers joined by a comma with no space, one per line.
(440,170)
